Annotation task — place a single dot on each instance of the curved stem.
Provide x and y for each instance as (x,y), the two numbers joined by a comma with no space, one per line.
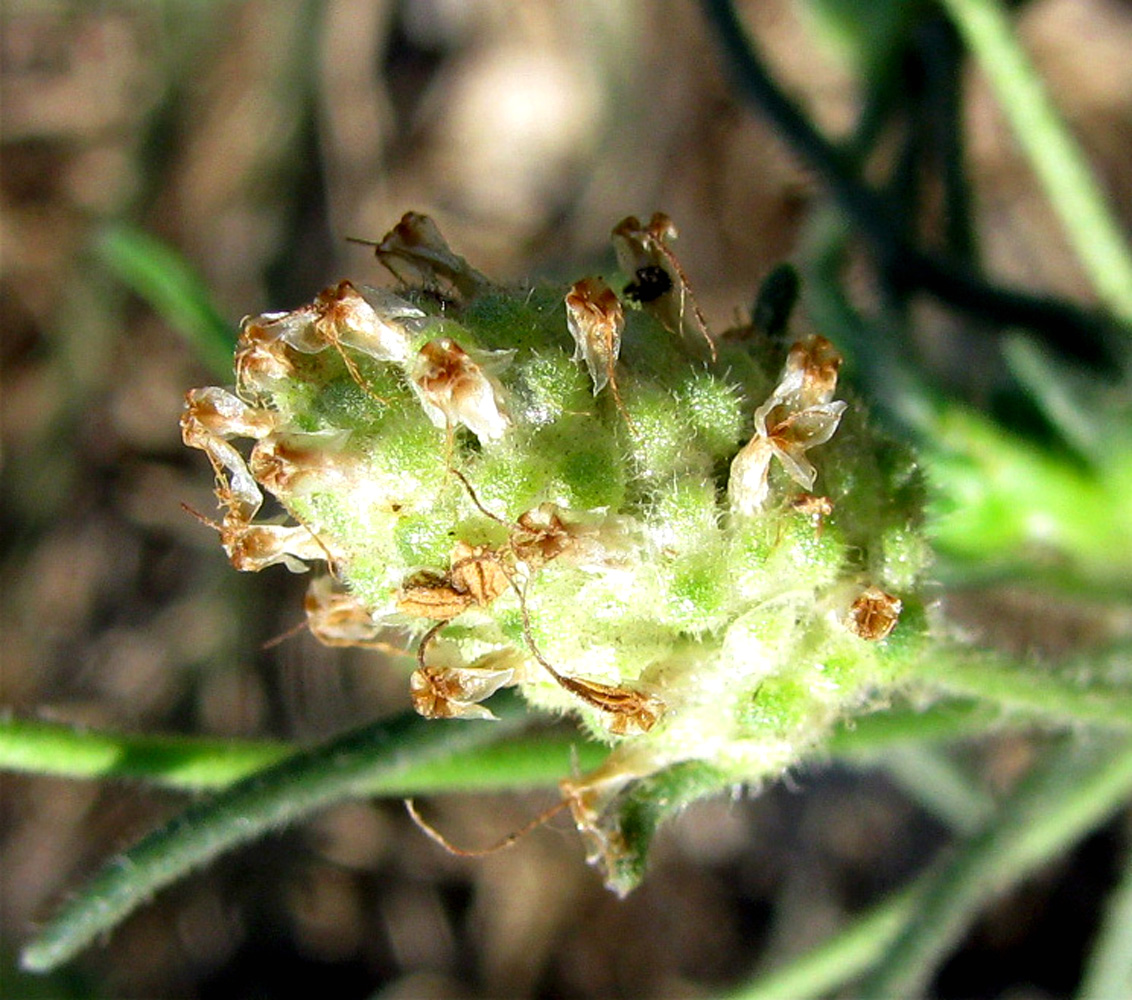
(355,765)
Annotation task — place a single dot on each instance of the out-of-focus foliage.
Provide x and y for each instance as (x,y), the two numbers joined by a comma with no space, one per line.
(254,137)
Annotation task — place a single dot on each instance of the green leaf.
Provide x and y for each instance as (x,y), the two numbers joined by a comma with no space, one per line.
(372,760)
(1062,168)
(1076,787)
(161,277)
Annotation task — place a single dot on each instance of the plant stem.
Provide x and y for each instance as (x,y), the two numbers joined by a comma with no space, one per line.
(196,764)
(1108,971)
(1060,801)
(1062,169)
(939,786)
(191,764)
(1066,795)
(1036,692)
(1064,326)
(870,736)
(841,958)
(355,765)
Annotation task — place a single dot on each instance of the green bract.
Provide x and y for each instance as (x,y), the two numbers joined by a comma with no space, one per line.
(689,542)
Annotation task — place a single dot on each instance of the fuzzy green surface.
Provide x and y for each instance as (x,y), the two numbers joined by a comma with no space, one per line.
(732,621)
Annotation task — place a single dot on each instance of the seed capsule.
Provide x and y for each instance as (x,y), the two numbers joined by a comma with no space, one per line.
(874,614)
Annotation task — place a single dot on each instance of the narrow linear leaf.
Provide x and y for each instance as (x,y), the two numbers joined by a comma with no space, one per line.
(1065,174)
(162,278)
(1056,805)
(196,764)
(358,764)
(867,737)
(1076,787)
(1031,690)
(1108,970)
(840,959)
(940,786)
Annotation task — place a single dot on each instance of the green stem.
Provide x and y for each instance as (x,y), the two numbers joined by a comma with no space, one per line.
(1054,807)
(903,266)
(368,761)
(199,764)
(840,959)
(191,764)
(1075,788)
(1061,167)
(871,736)
(1108,972)
(940,786)
(1034,691)
(195,764)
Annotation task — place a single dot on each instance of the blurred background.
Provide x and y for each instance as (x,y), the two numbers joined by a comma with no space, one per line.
(254,138)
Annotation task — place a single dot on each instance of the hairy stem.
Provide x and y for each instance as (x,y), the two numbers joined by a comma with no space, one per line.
(352,766)
(1038,693)
(196,764)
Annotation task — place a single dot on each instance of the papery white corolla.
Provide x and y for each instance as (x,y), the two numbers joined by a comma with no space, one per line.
(799,415)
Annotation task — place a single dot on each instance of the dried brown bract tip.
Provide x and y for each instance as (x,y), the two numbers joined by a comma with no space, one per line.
(479,572)
(211,416)
(286,463)
(453,390)
(431,595)
(417,255)
(252,547)
(217,412)
(634,712)
(595,320)
(540,536)
(874,614)
(816,508)
(659,283)
(476,577)
(811,370)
